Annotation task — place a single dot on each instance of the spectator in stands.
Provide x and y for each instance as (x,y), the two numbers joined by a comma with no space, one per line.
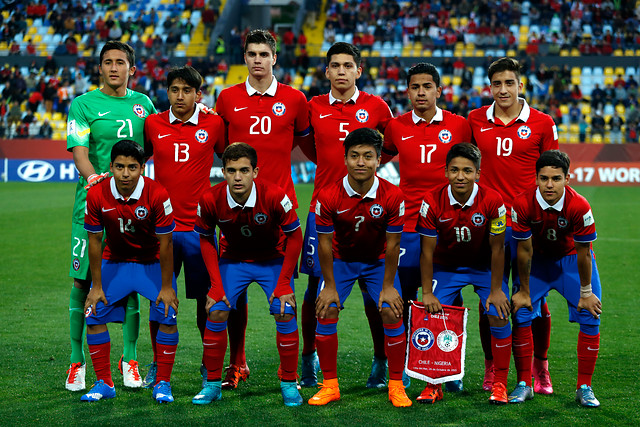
(60,50)
(14,117)
(582,129)
(46,131)
(615,128)
(633,130)
(574,113)
(620,82)
(576,94)
(597,124)
(14,49)
(35,98)
(597,97)
(620,95)
(329,34)
(458,67)
(31,48)
(208,20)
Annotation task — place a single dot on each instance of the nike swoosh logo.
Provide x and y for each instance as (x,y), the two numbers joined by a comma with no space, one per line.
(224,220)
(520,345)
(107,210)
(445,219)
(485,129)
(536,222)
(173,316)
(163,136)
(239,109)
(322,116)
(166,352)
(404,138)
(395,343)
(104,114)
(501,346)
(287,345)
(343,211)
(209,344)
(593,349)
(95,352)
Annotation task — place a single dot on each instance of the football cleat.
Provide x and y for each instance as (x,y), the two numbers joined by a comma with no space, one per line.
(406,379)
(290,393)
(488,375)
(329,392)
(75,377)
(150,379)
(398,395)
(233,375)
(498,394)
(210,392)
(98,391)
(280,377)
(585,396)
(521,393)
(130,373)
(378,377)
(454,386)
(309,370)
(203,374)
(541,378)
(431,394)
(162,392)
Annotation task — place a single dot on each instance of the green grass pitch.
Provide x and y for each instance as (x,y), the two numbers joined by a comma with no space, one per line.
(34,350)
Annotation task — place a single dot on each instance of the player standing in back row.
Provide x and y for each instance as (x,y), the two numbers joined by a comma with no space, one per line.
(511,136)
(97,121)
(267,115)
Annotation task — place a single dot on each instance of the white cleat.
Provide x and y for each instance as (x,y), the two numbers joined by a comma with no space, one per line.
(131,374)
(75,377)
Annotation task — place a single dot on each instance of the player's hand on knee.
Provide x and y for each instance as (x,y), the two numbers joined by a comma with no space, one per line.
(500,302)
(325,299)
(520,300)
(431,303)
(169,298)
(92,300)
(393,298)
(592,304)
(94,179)
(284,299)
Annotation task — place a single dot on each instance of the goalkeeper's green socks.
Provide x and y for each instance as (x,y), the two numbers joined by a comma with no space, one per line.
(77,324)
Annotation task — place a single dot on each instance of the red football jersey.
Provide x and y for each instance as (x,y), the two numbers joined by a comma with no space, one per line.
(510,151)
(462,231)
(267,122)
(331,121)
(130,226)
(249,233)
(553,229)
(182,157)
(423,149)
(359,224)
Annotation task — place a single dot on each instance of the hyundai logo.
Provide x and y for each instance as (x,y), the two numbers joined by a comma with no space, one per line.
(36,171)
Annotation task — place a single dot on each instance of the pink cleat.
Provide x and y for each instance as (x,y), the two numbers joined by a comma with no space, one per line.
(488,375)
(541,378)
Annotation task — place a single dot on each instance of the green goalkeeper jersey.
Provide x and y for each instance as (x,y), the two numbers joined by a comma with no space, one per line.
(97,121)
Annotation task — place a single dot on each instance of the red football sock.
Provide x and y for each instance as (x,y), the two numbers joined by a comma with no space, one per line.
(308,327)
(541,330)
(588,346)
(501,348)
(288,345)
(153,331)
(377,330)
(328,351)
(166,357)
(100,357)
(237,325)
(395,348)
(522,351)
(485,333)
(215,347)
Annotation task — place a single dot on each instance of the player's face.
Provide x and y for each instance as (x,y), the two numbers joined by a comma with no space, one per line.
(343,72)
(462,174)
(362,162)
(423,92)
(115,68)
(239,175)
(505,88)
(259,59)
(182,98)
(126,171)
(551,182)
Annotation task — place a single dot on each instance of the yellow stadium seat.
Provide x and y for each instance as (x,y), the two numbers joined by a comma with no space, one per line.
(464,21)
(575,80)
(57,116)
(374,72)
(618,52)
(218,80)
(446,80)
(630,52)
(86,53)
(511,53)
(564,52)
(375,53)
(427,53)
(417,45)
(620,109)
(365,53)
(596,139)
(46,116)
(458,46)
(574,138)
(32,30)
(37,38)
(564,109)
(608,80)
(574,128)
(563,137)
(523,38)
(454,22)
(575,52)
(457,81)
(524,29)
(125,37)
(479,53)
(186,14)
(608,71)
(619,71)
(124,6)
(576,71)
(586,109)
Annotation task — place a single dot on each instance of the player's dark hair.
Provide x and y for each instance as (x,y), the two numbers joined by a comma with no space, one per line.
(363,136)
(555,159)
(467,151)
(504,64)
(347,49)
(128,148)
(123,47)
(424,68)
(187,74)
(260,37)
(238,150)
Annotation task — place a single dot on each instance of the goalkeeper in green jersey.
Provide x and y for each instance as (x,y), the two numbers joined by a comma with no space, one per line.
(97,121)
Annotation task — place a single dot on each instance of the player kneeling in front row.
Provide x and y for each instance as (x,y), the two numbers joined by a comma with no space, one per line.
(462,226)
(554,227)
(359,221)
(136,215)
(260,242)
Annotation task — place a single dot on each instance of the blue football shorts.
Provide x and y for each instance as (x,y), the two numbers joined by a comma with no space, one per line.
(186,251)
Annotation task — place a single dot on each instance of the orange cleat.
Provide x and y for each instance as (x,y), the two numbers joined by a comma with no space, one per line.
(397,394)
(329,392)
(498,394)
(431,394)
(233,375)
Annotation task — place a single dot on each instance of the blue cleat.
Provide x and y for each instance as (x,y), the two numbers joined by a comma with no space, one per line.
(203,373)
(99,391)
(162,392)
(150,379)
(454,386)
(378,377)
(210,392)
(406,380)
(585,396)
(309,370)
(290,393)
(521,393)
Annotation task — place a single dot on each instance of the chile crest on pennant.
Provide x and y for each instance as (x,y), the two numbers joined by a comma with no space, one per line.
(362,115)
(278,109)
(138,110)
(202,136)
(422,339)
(524,132)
